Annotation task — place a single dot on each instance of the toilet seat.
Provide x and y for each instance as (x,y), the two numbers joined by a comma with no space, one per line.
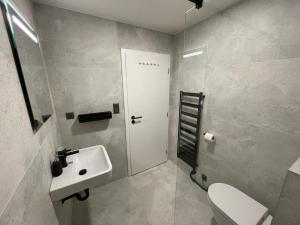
(236,206)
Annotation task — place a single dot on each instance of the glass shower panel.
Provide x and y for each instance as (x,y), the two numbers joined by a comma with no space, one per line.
(191,66)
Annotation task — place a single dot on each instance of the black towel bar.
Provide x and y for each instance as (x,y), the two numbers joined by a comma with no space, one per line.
(90,117)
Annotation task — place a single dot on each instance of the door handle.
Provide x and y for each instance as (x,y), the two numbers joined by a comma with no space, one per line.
(135,118)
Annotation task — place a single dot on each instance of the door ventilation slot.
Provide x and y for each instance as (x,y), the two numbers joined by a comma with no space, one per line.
(190,110)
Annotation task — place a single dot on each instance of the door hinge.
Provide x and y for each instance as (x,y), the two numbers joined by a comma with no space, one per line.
(166,151)
(168,70)
(167,114)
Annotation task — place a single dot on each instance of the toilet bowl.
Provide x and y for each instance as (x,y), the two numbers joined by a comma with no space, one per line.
(230,206)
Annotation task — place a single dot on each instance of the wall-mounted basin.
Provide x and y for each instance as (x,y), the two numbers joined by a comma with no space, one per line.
(89,168)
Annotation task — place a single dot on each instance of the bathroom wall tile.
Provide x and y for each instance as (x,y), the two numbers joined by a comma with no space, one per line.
(141,39)
(174,87)
(241,41)
(269,168)
(64,212)
(290,34)
(233,144)
(289,51)
(13,113)
(12,152)
(96,39)
(173,134)
(63,101)
(85,75)
(174,80)
(265,185)
(88,89)
(287,211)
(54,52)
(31,203)
(86,54)
(204,33)
(264,16)
(265,100)
(83,97)
(193,79)
(285,74)
(25,173)
(250,80)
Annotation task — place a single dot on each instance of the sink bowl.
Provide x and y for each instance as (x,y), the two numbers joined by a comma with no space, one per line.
(94,165)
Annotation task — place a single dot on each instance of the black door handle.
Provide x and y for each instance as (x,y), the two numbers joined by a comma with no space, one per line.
(135,118)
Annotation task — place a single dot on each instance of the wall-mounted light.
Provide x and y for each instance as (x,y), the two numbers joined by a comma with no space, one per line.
(196,51)
(192,53)
(23,27)
(14,8)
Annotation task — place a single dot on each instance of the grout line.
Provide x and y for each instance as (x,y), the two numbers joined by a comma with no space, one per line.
(29,166)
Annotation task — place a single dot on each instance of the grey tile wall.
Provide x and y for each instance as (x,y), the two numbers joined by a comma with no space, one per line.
(25,158)
(250,74)
(83,57)
(289,203)
(31,203)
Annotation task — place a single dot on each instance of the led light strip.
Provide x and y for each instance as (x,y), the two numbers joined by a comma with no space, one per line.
(18,12)
(187,55)
(24,28)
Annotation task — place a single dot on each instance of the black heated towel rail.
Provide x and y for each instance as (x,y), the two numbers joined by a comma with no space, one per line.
(190,110)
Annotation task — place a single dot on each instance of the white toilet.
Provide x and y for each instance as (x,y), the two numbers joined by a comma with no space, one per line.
(230,206)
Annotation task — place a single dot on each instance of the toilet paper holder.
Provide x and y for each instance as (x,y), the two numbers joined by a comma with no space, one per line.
(209,137)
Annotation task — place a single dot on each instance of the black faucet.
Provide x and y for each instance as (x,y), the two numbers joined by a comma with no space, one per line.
(62,155)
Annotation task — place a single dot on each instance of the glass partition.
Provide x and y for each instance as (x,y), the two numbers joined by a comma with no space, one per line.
(191,63)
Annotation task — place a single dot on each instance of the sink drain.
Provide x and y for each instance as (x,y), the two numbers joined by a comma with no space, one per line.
(82,172)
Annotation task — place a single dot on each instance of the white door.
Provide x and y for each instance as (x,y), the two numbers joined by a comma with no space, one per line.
(146,95)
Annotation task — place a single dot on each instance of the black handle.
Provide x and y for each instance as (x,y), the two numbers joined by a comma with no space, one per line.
(135,118)
(67,152)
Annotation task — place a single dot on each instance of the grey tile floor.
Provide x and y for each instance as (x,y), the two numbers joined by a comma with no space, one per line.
(163,195)
(191,203)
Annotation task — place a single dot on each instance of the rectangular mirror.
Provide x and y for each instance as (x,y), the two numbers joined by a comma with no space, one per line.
(29,63)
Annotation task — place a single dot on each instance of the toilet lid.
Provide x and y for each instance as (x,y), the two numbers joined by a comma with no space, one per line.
(236,205)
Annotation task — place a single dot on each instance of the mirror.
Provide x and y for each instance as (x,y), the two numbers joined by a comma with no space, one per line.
(29,64)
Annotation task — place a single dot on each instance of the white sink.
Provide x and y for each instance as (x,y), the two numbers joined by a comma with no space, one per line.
(97,163)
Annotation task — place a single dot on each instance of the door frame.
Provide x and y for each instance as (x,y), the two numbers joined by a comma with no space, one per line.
(125,95)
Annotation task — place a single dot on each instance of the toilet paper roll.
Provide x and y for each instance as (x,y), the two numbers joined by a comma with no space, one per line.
(209,137)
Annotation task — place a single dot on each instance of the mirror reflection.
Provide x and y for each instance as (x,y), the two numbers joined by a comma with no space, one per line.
(29,63)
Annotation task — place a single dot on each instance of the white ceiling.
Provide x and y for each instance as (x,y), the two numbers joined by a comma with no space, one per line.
(161,15)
